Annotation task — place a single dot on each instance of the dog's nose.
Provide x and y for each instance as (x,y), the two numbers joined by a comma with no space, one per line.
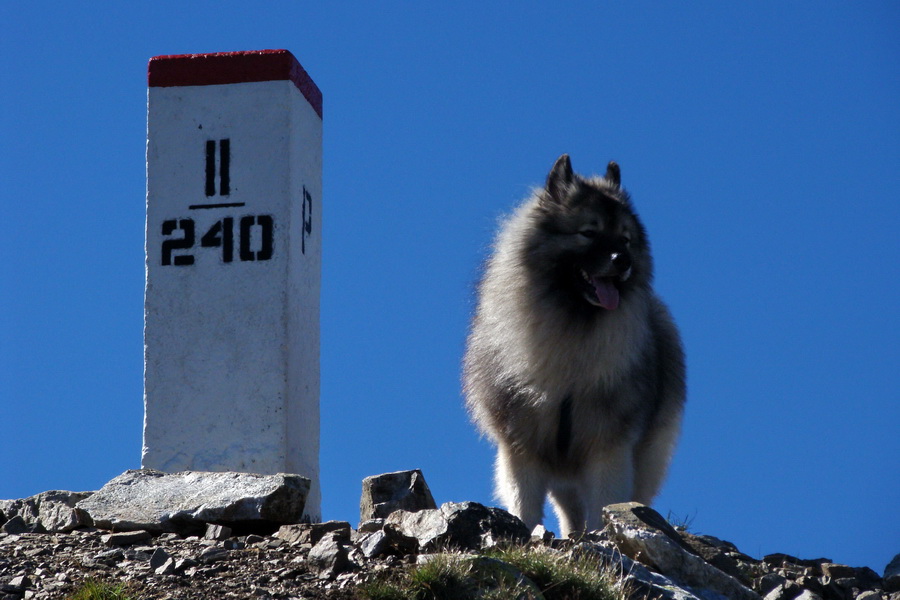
(620,260)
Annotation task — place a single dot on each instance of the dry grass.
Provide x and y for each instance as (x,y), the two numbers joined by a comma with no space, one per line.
(514,572)
(93,589)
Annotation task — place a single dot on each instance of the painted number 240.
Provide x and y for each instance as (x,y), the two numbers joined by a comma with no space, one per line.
(220,235)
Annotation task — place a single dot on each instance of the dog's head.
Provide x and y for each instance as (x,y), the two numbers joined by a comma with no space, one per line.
(588,247)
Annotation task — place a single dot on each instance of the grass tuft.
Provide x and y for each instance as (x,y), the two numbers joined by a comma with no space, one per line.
(563,577)
(514,572)
(93,589)
(681,523)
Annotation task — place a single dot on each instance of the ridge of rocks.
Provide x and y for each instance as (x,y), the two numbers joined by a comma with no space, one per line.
(242,539)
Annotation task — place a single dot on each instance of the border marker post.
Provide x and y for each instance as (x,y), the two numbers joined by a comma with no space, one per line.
(233,266)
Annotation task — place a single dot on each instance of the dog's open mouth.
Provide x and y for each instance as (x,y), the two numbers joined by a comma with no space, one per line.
(602,291)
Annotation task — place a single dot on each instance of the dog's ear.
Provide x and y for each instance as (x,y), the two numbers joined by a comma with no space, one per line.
(559,178)
(613,174)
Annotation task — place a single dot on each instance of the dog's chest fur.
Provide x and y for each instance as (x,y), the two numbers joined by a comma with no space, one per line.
(583,387)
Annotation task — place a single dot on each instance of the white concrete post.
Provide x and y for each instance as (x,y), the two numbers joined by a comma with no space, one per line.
(233,247)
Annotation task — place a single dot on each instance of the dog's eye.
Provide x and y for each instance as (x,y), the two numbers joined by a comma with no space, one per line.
(588,233)
(626,239)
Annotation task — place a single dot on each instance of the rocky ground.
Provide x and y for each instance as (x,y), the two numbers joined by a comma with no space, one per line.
(55,565)
(49,546)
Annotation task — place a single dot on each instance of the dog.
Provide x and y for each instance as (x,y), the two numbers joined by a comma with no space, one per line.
(573,366)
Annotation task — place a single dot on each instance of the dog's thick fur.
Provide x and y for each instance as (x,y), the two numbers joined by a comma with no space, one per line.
(573,365)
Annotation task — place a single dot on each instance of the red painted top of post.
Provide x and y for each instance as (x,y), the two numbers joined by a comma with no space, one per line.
(233,67)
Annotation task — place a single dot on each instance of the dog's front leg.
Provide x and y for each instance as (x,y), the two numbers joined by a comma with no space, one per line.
(608,479)
(569,503)
(521,485)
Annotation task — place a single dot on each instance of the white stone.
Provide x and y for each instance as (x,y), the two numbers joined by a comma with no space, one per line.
(181,502)
(54,510)
(231,365)
(653,547)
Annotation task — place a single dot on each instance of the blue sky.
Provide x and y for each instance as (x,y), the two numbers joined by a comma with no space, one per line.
(761,146)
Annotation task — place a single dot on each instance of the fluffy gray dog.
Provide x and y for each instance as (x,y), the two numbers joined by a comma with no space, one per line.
(573,365)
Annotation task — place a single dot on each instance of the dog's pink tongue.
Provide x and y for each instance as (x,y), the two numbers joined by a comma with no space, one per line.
(607,294)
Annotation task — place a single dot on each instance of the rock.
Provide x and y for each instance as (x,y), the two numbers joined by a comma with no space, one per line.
(17,584)
(294,534)
(125,538)
(461,525)
(159,558)
(389,492)
(319,530)
(821,577)
(644,583)
(644,535)
(217,532)
(167,567)
(54,511)
(233,544)
(869,595)
(374,544)
(787,591)
(840,582)
(185,502)
(832,590)
(311,533)
(329,557)
(723,556)
(371,525)
(836,571)
(110,558)
(398,542)
(637,516)
(813,584)
(893,567)
(892,575)
(867,578)
(17,525)
(769,582)
(540,535)
(787,561)
(212,554)
(183,564)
